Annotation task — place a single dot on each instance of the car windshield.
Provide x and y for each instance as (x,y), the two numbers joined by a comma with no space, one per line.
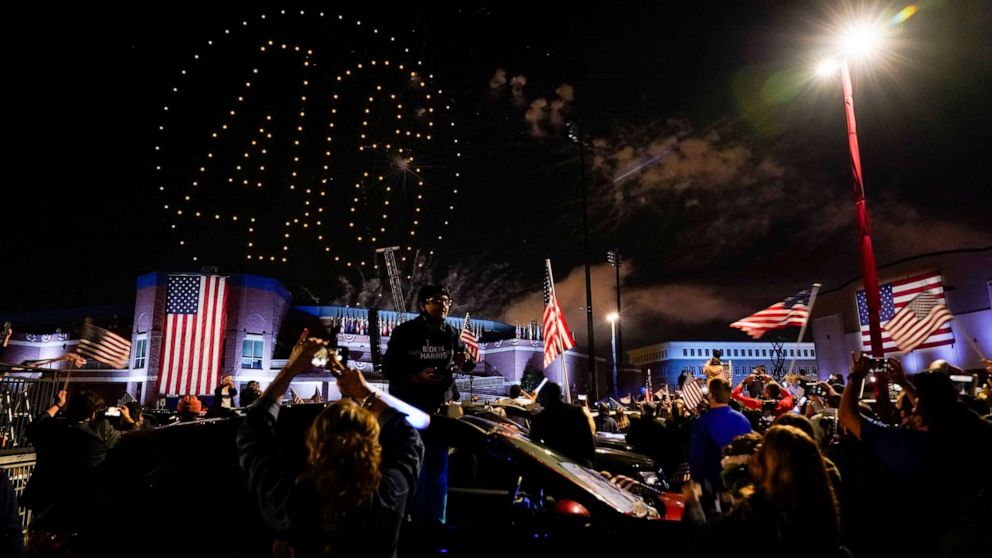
(591,481)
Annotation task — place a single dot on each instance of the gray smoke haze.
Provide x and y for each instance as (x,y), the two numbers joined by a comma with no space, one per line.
(649,310)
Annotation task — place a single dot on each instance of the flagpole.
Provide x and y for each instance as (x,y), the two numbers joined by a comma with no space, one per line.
(564,377)
(802,330)
(971,342)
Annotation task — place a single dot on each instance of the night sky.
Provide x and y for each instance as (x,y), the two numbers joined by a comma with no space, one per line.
(735,191)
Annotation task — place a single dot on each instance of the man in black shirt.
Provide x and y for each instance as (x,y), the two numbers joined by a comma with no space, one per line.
(419,364)
(422,353)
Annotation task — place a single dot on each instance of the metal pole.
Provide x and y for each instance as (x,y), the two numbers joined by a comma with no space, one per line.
(802,330)
(613,344)
(619,325)
(585,254)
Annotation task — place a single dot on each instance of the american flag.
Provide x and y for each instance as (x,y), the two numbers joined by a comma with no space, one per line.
(193,334)
(103,346)
(797,391)
(471,343)
(895,296)
(692,394)
(793,311)
(917,321)
(557,337)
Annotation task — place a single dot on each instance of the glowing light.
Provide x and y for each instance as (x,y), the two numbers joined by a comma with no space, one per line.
(827,68)
(861,40)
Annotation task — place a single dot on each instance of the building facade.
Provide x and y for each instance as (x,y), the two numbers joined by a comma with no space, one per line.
(666,361)
(966,276)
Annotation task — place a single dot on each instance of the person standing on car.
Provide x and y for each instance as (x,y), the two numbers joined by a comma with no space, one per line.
(419,363)
(362,462)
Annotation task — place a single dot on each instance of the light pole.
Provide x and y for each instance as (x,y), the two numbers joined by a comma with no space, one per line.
(857,42)
(616,260)
(613,318)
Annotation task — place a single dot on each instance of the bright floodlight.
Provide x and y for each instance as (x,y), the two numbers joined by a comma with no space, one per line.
(861,40)
(612,317)
(826,68)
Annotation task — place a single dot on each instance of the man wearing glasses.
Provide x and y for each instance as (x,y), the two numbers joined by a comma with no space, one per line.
(419,364)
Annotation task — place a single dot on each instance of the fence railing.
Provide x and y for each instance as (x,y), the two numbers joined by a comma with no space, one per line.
(487,382)
(19,467)
(21,399)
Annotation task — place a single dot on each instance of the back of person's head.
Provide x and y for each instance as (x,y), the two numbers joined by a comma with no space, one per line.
(603,409)
(134,409)
(189,407)
(789,472)
(720,389)
(83,405)
(834,400)
(797,420)
(549,395)
(515,391)
(647,410)
(773,391)
(936,397)
(745,444)
(343,458)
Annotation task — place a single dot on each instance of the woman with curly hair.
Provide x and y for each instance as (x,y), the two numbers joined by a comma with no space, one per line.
(363,459)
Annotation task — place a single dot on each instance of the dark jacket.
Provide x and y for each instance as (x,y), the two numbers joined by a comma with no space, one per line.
(219,396)
(67,454)
(291,509)
(414,346)
(650,436)
(11,540)
(565,429)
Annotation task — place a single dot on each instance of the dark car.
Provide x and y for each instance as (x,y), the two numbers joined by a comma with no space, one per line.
(179,488)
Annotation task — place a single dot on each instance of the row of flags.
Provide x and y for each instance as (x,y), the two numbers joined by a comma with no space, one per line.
(532,331)
(359,325)
(913,315)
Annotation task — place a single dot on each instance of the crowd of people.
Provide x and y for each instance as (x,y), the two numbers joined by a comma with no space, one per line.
(763,466)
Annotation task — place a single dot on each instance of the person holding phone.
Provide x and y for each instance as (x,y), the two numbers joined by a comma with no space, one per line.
(419,363)
(224,393)
(362,462)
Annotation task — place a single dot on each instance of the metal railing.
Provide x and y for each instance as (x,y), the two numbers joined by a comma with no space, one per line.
(487,382)
(19,467)
(21,399)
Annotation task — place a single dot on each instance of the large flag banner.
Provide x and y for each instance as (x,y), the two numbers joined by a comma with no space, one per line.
(793,311)
(103,346)
(897,295)
(471,343)
(192,334)
(557,337)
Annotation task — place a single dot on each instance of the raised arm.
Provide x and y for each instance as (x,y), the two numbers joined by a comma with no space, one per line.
(848,413)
